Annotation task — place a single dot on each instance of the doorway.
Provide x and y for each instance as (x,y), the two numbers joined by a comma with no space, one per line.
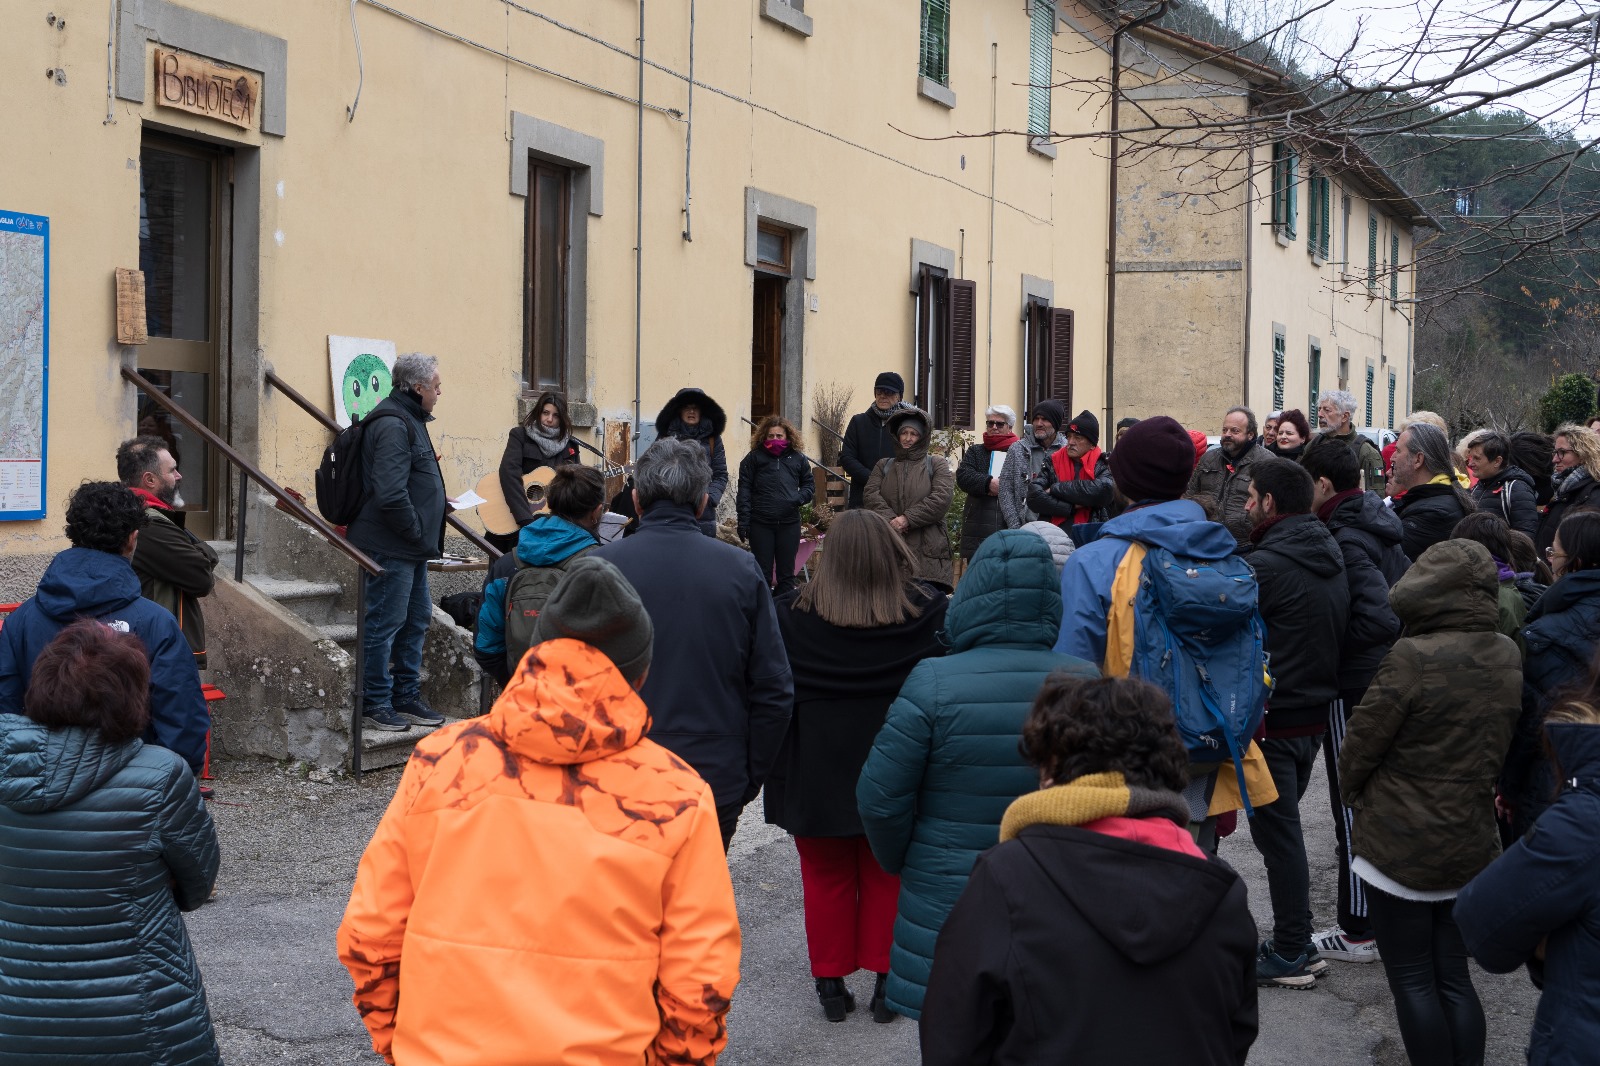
(182,249)
(766,347)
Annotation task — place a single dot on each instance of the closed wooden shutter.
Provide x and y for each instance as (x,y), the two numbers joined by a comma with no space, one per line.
(962,355)
(934,62)
(929,284)
(1061,336)
(1277,371)
(1372,250)
(1394,270)
(1369,393)
(1292,189)
(1041,68)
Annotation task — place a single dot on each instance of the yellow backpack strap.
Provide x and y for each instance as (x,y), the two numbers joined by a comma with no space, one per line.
(1119,620)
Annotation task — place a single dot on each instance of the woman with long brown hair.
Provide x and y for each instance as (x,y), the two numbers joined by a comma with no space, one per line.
(774,483)
(852,633)
(544,438)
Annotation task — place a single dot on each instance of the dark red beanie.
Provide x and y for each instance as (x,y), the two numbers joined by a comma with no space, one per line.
(1153,461)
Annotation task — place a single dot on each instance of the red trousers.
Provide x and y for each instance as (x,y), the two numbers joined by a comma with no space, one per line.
(850,906)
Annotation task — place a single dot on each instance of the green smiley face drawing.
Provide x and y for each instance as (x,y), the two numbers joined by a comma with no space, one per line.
(366,381)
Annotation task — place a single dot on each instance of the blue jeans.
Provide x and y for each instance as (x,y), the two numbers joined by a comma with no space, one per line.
(398,613)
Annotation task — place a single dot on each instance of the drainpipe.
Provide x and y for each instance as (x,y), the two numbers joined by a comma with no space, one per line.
(688,139)
(1249,258)
(638,252)
(994,98)
(1111,205)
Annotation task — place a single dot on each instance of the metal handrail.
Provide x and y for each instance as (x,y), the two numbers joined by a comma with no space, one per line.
(317,413)
(835,434)
(247,473)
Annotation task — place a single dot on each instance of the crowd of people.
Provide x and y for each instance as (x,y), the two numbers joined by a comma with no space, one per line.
(1005,780)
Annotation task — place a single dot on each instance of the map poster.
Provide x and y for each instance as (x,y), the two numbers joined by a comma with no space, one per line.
(361,369)
(24,362)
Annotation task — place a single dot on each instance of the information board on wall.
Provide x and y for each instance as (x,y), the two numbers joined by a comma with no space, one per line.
(24,363)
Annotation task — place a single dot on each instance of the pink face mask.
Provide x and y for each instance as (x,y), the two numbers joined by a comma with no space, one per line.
(777,447)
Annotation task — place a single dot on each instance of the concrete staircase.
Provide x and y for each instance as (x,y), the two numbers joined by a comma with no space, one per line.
(296,616)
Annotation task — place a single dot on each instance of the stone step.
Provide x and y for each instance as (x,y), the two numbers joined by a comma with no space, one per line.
(341,633)
(315,601)
(380,748)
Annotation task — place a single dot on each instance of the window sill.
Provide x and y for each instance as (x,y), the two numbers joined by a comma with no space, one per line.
(1318,261)
(1042,146)
(1284,239)
(781,12)
(580,413)
(929,89)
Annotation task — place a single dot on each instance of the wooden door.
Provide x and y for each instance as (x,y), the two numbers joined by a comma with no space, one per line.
(766,347)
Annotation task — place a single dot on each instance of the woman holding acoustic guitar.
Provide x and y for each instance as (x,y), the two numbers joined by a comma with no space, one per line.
(543,440)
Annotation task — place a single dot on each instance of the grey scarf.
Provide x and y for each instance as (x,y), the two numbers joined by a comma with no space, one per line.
(549,442)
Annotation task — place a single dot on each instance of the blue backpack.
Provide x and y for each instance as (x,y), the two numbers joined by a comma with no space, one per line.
(1193,627)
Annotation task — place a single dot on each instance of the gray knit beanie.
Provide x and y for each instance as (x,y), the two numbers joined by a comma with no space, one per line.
(595,604)
(1058,540)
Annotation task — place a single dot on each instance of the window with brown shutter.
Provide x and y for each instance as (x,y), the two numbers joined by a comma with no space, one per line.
(544,347)
(1049,354)
(946,348)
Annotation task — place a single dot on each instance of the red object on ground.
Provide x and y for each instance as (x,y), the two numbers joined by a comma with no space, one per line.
(212,693)
(850,904)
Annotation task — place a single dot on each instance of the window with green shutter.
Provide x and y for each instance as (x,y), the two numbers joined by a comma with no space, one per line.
(1372,250)
(1370,375)
(1277,370)
(1391,399)
(1285,178)
(1315,361)
(1394,270)
(935,61)
(1319,229)
(1041,68)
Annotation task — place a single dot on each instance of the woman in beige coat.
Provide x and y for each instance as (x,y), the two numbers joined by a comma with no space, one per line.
(913,491)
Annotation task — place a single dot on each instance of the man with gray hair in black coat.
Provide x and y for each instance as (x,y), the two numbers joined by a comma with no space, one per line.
(401,526)
(719,689)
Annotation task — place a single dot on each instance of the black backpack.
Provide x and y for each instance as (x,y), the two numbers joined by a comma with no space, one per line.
(527,591)
(340,490)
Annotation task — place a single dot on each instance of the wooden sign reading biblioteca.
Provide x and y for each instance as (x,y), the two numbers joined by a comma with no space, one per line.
(197,85)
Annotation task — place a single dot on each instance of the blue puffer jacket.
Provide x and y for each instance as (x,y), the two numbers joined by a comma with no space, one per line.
(945,765)
(1544,886)
(101,845)
(1180,526)
(1560,636)
(84,583)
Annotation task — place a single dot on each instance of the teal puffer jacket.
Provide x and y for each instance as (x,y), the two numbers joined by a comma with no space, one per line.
(946,764)
(101,845)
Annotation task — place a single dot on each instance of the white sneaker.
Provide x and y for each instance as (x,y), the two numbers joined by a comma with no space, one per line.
(1333,944)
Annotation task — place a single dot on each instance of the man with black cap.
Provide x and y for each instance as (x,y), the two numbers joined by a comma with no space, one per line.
(1075,486)
(1029,457)
(867,439)
(1224,472)
(631,953)
(1151,468)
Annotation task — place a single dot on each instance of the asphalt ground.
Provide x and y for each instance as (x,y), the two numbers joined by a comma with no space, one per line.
(290,845)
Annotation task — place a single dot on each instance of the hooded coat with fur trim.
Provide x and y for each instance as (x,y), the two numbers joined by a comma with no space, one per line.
(707,433)
(608,933)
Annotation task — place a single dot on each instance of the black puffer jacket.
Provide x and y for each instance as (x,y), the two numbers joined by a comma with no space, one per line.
(1305,604)
(403,515)
(1428,514)
(1368,534)
(708,433)
(867,442)
(773,488)
(1576,490)
(1511,495)
(101,845)
(982,515)
(1560,636)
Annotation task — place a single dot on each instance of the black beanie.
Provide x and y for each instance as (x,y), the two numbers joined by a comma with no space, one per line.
(1154,460)
(595,604)
(1051,411)
(1086,425)
(891,381)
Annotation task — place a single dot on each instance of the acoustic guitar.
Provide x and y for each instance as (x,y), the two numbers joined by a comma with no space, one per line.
(493,511)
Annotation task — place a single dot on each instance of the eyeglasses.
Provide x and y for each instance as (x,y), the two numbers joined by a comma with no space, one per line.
(1552,555)
(1561,453)
(996,425)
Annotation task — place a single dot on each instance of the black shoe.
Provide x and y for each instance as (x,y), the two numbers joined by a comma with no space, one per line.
(383,718)
(880,1004)
(419,712)
(836,998)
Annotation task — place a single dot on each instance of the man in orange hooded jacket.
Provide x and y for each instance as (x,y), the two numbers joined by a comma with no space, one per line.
(547,885)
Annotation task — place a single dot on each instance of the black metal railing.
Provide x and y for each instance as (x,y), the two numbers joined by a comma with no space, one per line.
(291,503)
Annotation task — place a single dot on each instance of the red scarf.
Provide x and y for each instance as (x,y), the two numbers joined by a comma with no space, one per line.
(149,499)
(999,442)
(1084,471)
